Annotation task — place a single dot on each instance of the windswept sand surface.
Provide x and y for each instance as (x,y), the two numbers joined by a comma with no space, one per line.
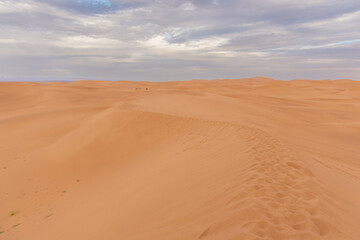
(227,160)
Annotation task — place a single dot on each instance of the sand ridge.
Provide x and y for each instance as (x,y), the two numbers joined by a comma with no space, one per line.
(223,159)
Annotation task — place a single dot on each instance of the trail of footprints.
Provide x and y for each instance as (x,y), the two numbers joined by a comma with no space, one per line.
(278,200)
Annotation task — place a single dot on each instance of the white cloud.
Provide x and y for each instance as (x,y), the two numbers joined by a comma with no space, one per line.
(348,18)
(8,40)
(10,6)
(83,41)
(160,42)
(14,6)
(334,44)
(303,3)
(100,22)
(188,6)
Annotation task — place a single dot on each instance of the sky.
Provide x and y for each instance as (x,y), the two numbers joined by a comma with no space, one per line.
(166,40)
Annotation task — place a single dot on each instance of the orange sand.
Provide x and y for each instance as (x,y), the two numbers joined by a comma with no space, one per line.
(224,159)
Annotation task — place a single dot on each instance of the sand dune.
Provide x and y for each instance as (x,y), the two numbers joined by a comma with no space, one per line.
(223,159)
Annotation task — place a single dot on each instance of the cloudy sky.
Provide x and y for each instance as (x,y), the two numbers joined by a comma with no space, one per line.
(162,40)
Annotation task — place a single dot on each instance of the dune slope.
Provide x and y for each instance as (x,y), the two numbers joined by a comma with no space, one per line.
(223,159)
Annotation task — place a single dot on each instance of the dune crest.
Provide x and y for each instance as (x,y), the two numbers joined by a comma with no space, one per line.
(252,158)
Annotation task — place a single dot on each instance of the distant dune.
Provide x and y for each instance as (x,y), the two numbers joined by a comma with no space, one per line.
(222,159)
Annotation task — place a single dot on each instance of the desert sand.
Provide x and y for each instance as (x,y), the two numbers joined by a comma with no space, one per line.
(222,159)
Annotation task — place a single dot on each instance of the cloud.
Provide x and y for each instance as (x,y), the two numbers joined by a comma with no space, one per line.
(173,40)
(188,6)
(160,42)
(84,42)
(14,7)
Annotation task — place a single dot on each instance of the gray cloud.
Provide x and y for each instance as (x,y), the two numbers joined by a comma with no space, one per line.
(177,40)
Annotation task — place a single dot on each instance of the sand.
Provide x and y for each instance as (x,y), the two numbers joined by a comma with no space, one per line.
(223,159)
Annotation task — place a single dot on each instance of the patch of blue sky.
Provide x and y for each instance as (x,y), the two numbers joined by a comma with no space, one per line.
(94,3)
